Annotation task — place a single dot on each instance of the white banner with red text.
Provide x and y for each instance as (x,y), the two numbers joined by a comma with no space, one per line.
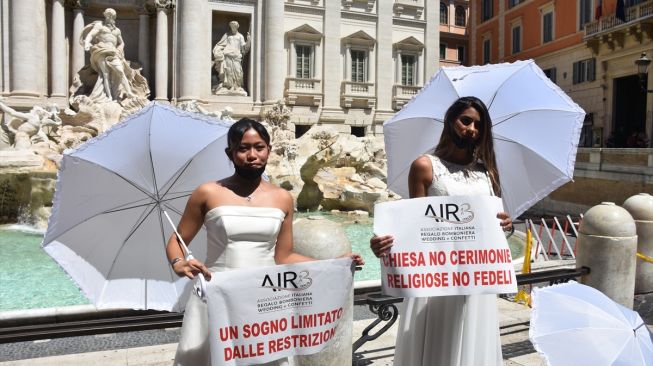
(444,246)
(264,314)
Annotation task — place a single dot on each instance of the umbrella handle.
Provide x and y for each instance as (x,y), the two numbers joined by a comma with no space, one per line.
(201,290)
(188,255)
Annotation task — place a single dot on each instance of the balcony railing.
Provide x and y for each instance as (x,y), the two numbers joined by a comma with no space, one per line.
(608,22)
(401,94)
(301,91)
(361,94)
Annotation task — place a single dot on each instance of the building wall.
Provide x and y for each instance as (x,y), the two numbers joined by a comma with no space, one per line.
(385,26)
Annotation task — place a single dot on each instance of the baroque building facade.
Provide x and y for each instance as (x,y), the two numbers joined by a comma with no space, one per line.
(584,48)
(349,63)
(589,51)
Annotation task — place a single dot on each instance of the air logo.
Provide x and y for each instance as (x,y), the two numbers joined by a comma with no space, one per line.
(450,212)
(288,280)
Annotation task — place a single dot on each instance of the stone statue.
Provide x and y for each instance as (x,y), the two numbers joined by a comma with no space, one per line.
(227,60)
(110,75)
(30,128)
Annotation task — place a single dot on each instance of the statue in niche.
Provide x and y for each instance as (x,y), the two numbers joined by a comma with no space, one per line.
(31,128)
(110,76)
(227,59)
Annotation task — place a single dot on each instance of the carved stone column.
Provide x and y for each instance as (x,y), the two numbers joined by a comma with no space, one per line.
(77,53)
(144,13)
(28,54)
(191,16)
(163,8)
(58,70)
(274,50)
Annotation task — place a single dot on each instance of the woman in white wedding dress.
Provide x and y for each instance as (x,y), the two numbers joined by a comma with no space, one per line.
(452,330)
(248,223)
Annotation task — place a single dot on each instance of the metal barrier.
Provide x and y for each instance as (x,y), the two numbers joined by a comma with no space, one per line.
(387,312)
(559,236)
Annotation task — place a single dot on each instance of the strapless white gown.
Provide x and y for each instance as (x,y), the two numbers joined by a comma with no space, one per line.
(237,237)
(450,330)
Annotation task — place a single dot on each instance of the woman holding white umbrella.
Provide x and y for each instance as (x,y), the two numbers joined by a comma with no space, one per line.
(248,223)
(452,330)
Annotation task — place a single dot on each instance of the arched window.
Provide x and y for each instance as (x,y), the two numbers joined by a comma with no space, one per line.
(444,14)
(460,16)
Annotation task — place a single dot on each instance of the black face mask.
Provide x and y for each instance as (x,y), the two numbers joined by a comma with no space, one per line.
(462,142)
(249,173)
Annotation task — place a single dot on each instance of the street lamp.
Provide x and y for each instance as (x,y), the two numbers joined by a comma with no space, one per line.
(642,70)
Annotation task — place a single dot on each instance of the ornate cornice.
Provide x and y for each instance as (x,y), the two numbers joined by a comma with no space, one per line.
(409,23)
(366,17)
(304,9)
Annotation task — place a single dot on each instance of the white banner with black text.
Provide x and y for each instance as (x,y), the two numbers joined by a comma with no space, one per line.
(444,246)
(264,314)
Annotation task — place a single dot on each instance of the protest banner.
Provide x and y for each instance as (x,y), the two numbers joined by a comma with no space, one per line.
(263,314)
(444,246)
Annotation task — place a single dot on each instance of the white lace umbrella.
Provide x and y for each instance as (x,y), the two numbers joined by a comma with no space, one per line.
(107,229)
(536,128)
(574,324)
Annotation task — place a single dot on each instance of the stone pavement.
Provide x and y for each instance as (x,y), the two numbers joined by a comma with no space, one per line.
(158,347)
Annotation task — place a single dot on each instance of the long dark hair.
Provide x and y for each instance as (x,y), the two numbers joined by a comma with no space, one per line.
(238,129)
(484,147)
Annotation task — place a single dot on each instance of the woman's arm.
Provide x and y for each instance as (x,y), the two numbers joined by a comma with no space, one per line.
(420,178)
(189,225)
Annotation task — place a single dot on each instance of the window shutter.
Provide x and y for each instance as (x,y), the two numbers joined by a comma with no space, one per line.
(591,70)
(575,76)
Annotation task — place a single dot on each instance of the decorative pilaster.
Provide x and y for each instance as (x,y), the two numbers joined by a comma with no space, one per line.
(163,8)
(383,59)
(28,52)
(431,38)
(77,53)
(398,68)
(332,74)
(191,16)
(58,70)
(274,51)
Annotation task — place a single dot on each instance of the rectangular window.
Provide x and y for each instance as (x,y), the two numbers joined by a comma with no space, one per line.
(512,3)
(486,10)
(585,12)
(584,70)
(358,66)
(443,51)
(551,74)
(461,54)
(486,51)
(547,27)
(408,70)
(304,64)
(516,39)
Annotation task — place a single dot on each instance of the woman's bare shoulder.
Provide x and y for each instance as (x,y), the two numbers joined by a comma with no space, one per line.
(422,164)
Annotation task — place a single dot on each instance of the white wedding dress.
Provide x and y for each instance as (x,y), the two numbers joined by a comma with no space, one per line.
(450,330)
(237,237)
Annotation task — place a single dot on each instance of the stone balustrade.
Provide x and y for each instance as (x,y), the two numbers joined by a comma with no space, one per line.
(633,161)
(401,94)
(358,94)
(608,22)
(301,91)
